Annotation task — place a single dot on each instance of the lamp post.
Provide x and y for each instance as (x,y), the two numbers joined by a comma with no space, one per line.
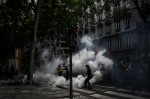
(71,33)
(70,57)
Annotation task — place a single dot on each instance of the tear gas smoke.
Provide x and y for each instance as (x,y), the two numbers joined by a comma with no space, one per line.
(48,70)
(87,41)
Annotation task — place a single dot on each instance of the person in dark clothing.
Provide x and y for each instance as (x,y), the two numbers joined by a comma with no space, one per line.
(137,75)
(117,75)
(104,72)
(125,72)
(145,71)
(89,76)
(67,72)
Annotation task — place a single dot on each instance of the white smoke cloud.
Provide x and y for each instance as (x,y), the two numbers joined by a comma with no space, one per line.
(100,58)
(78,81)
(79,60)
(48,66)
(60,81)
(87,41)
(48,70)
(97,76)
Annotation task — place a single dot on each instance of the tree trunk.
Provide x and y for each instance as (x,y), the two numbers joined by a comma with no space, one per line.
(30,74)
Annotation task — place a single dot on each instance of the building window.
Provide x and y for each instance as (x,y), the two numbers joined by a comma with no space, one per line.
(128,42)
(127,23)
(86,22)
(108,29)
(93,33)
(101,45)
(109,44)
(141,41)
(99,31)
(118,43)
(100,18)
(92,30)
(117,24)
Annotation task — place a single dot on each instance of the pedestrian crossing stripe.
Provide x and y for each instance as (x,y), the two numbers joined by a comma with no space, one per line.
(105,86)
(145,93)
(125,95)
(97,95)
(82,90)
(126,90)
(102,96)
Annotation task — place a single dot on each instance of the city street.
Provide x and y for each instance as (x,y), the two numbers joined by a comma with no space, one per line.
(109,92)
(34,92)
(50,92)
(54,49)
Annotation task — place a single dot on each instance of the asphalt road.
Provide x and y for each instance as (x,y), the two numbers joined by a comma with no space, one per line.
(50,92)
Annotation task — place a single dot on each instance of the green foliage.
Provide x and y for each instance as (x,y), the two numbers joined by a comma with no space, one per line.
(56,16)
(117,13)
(15,24)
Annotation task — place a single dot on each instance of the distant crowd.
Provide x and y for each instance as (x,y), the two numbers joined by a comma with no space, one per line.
(130,73)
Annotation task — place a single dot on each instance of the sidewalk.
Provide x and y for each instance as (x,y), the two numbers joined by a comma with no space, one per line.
(36,92)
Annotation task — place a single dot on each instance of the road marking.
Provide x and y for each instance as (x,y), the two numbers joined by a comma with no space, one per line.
(144,93)
(105,86)
(65,86)
(126,90)
(25,91)
(101,96)
(82,90)
(125,95)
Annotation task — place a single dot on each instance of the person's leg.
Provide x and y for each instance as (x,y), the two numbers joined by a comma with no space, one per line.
(85,82)
(88,81)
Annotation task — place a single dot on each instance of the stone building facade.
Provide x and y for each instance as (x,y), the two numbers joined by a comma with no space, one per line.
(126,37)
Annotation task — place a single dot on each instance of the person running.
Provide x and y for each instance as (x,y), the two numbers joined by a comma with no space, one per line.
(89,75)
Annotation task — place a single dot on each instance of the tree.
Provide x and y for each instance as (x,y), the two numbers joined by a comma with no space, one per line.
(13,21)
(55,18)
(30,74)
(19,20)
